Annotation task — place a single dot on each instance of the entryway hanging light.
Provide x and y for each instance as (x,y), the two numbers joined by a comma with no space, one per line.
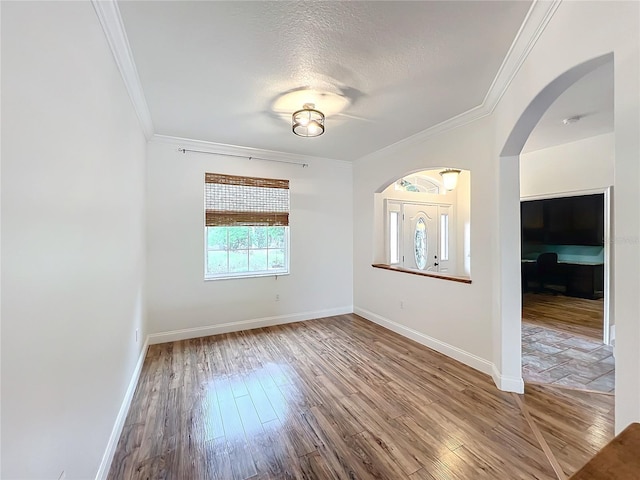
(450,178)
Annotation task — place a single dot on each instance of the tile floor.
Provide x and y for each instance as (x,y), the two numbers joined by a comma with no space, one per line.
(562,359)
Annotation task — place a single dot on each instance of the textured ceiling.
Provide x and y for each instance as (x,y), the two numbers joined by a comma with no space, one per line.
(214,71)
(590,98)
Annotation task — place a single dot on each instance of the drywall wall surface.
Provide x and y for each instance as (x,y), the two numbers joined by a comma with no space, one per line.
(483,320)
(72,240)
(454,317)
(321,244)
(583,165)
(590,33)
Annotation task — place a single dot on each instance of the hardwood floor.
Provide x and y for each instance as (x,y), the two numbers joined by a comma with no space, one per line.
(578,316)
(343,398)
(563,416)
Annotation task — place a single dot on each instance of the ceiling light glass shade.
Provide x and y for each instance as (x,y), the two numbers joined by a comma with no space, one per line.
(450,178)
(308,122)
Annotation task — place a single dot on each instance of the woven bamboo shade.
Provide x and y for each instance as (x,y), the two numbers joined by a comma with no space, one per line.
(231,200)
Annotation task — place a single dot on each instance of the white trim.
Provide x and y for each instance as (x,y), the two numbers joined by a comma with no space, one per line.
(507,384)
(536,20)
(572,193)
(188,333)
(456,353)
(107,458)
(608,215)
(538,16)
(223,148)
(113,27)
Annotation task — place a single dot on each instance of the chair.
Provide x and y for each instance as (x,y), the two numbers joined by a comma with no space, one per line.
(547,271)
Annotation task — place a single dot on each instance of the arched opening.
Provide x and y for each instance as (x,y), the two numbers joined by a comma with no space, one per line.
(423,223)
(509,352)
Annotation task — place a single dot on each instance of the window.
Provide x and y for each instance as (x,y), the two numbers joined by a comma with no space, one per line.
(444,236)
(246,226)
(392,241)
(420,246)
(394,246)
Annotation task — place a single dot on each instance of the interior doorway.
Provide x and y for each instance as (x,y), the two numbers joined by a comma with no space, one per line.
(565,239)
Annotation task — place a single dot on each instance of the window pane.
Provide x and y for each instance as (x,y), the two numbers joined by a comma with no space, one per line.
(257,260)
(276,237)
(277,259)
(258,237)
(444,237)
(216,262)
(238,261)
(238,238)
(394,254)
(420,244)
(217,238)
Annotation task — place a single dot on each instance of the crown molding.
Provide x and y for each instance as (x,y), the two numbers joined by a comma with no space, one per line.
(536,20)
(113,27)
(236,150)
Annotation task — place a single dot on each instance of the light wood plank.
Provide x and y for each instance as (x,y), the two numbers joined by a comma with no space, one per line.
(341,397)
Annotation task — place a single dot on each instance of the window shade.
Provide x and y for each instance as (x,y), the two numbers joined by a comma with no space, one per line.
(232,200)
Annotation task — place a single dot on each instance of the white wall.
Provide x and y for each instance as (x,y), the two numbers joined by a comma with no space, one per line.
(582,165)
(463,223)
(320,280)
(587,32)
(480,323)
(452,317)
(72,240)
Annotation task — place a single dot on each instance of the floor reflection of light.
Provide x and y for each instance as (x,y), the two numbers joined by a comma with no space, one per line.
(233,407)
(211,412)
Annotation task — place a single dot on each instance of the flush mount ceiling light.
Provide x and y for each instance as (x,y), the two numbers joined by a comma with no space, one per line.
(308,122)
(450,178)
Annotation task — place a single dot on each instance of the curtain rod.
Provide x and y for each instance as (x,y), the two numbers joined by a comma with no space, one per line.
(185,150)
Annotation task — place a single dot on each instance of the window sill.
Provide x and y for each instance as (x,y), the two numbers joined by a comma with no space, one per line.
(441,276)
(246,275)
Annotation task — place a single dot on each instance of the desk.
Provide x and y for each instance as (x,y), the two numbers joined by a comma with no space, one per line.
(618,460)
(583,279)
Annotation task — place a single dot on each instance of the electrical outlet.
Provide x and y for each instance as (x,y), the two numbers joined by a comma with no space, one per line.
(137,335)
(277,297)
(401,305)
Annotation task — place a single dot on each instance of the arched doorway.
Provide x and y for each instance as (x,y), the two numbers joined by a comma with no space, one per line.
(508,360)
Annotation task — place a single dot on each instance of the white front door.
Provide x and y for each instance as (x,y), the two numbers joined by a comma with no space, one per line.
(420,237)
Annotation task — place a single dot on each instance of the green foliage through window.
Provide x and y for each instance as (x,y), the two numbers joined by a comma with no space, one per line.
(251,250)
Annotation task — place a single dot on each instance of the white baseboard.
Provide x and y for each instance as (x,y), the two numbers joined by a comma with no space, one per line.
(456,353)
(507,384)
(107,458)
(188,333)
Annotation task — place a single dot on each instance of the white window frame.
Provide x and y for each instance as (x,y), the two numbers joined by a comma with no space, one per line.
(393,207)
(245,274)
(235,201)
(444,235)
